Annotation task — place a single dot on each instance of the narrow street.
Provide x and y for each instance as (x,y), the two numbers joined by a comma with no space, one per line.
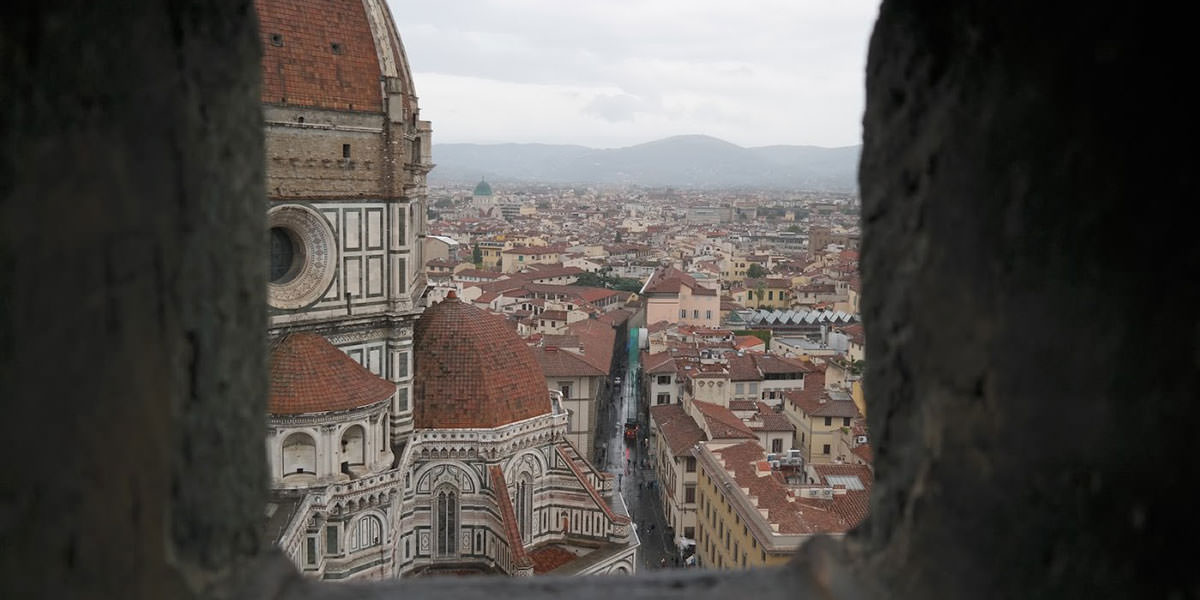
(630,462)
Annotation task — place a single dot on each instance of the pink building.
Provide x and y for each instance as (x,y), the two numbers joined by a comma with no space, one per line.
(674,296)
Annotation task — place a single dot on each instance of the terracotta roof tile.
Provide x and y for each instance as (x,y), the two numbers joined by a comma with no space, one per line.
(678,428)
(473,371)
(597,339)
(300,66)
(746,342)
(853,505)
(310,375)
(742,368)
(668,280)
(863,451)
(564,363)
(722,423)
(816,401)
(742,405)
(550,557)
(508,518)
(793,515)
(771,420)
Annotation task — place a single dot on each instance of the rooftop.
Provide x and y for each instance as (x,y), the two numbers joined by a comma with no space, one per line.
(472,370)
(310,375)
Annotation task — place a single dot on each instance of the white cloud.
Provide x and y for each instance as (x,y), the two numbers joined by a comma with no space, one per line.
(621,72)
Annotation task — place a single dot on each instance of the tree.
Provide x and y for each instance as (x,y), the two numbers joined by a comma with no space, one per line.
(756,272)
(477,256)
(589,279)
(625,284)
(618,238)
(795,229)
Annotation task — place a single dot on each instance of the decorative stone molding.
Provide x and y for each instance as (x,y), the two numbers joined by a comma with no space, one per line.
(315,257)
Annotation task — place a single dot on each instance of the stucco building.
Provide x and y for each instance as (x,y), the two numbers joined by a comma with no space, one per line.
(676,297)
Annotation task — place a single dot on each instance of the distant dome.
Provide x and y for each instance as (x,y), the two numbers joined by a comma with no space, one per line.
(473,371)
(483,189)
(310,375)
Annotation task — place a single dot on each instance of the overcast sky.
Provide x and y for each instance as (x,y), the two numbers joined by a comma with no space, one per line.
(609,73)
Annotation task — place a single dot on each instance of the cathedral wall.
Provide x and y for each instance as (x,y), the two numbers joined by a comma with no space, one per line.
(320,153)
(313,445)
(364,275)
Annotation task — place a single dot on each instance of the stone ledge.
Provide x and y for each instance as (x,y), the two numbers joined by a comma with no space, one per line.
(821,569)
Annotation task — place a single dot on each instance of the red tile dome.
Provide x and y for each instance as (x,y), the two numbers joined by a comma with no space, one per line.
(330,54)
(310,375)
(473,371)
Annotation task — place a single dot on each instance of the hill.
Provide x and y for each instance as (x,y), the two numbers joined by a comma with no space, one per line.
(682,161)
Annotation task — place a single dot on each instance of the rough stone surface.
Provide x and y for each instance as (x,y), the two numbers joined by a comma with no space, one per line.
(132,362)
(1032,337)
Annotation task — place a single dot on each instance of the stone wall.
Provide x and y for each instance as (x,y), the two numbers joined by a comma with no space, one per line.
(132,261)
(1032,339)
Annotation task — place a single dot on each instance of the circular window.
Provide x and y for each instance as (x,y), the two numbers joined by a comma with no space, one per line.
(303,256)
(286,255)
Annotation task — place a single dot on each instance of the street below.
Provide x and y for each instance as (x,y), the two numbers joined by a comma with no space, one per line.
(630,463)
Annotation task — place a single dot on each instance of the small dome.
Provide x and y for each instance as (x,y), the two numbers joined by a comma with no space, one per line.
(483,189)
(473,371)
(310,375)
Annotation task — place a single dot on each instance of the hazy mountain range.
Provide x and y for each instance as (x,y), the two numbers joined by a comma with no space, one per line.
(682,161)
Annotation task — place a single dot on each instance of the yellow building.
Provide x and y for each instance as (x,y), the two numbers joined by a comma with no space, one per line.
(733,268)
(821,417)
(518,257)
(491,251)
(770,294)
(856,393)
(673,434)
(749,514)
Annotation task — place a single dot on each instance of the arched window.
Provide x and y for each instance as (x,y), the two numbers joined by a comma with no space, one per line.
(353,450)
(299,454)
(368,532)
(523,504)
(446,526)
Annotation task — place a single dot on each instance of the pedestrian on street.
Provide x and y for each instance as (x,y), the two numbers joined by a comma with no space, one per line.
(662,563)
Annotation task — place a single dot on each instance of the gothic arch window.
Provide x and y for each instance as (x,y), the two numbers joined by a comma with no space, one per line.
(299,454)
(446,522)
(368,532)
(524,506)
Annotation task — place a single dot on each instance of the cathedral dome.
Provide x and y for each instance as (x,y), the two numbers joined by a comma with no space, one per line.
(310,375)
(483,189)
(331,54)
(473,371)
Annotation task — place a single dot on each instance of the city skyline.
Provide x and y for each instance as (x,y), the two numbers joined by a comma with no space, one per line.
(625,73)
